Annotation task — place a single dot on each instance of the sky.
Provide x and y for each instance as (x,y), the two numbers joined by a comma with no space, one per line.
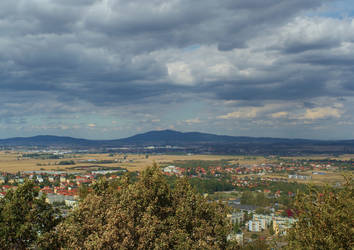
(106,69)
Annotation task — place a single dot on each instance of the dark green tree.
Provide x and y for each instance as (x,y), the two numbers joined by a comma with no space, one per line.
(25,217)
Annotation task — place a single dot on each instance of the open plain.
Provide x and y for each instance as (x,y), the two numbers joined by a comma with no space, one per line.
(15,161)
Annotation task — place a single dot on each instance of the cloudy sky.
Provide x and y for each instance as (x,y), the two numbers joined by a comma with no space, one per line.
(113,68)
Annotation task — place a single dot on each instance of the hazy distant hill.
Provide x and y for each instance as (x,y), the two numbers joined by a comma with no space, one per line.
(203,141)
(161,137)
(44,140)
(171,137)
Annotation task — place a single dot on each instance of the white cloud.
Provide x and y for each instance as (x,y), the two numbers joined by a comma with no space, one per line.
(64,127)
(193,121)
(151,55)
(180,73)
(321,113)
(280,114)
(242,113)
(250,112)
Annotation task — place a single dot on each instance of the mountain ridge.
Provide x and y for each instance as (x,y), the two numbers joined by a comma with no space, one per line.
(157,137)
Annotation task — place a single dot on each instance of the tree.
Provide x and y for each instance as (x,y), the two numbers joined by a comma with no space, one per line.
(271,229)
(257,244)
(25,217)
(254,236)
(236,228)
(83,191)
(146,214)
(325,219)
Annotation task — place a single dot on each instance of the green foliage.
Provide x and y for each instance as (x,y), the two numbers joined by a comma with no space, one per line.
(42,156)
(325,219)
(254,198)
(199,163)
(69,162)
(271,230)
(257,244)
(254,236)
(261,210)
(210,185)
(25,217)
(286,187)
(237,228)
(83,191)
(146,214)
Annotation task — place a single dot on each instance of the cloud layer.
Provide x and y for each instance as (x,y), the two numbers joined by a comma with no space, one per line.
(107,69)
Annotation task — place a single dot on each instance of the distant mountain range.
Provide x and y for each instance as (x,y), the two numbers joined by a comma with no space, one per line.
(195,140)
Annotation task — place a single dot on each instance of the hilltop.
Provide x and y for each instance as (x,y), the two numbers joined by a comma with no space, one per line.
(195,141)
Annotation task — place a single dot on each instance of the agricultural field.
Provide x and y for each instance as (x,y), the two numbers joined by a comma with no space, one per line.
(328,177)
(12,161)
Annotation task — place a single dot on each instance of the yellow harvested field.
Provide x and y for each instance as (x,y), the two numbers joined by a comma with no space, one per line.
(321,157)
(12,162)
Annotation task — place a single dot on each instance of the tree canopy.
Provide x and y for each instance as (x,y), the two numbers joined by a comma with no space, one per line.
(146,214)
(25,217)
(325,219)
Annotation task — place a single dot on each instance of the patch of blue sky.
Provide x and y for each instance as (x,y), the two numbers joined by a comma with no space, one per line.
(339,9)
(192,47)
(186,110)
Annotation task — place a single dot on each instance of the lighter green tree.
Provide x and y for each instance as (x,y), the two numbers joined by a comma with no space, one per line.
(325,219)
(147,214)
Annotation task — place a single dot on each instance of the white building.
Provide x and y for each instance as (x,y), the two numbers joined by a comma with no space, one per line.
(170,169)
(254,226)
(236,217)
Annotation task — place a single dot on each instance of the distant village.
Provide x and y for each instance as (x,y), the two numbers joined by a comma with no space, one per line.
(63,186)
(59,186)
(249,176)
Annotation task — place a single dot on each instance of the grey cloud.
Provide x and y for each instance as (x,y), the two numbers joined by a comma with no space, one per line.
(112,53)
(302,47)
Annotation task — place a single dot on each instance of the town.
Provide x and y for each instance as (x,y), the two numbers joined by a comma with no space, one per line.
(259,194)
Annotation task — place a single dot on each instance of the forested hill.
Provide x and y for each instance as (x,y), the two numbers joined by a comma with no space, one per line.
(199,141)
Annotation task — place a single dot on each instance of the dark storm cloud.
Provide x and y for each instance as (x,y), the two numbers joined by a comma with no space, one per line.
(299,47)
(117,52)
(125,94)
(279,91)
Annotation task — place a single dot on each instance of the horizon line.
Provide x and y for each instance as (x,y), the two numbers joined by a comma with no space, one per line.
(266,137)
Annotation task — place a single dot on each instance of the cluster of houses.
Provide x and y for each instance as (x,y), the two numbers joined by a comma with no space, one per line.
(216,171)
(59,186)
(306,165)
(260,169)
(232,177)
(173,170)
